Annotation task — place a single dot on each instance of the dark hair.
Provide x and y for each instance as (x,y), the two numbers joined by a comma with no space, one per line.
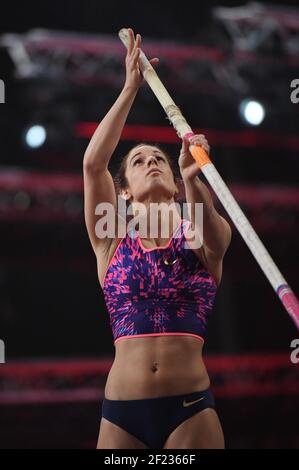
(120,177)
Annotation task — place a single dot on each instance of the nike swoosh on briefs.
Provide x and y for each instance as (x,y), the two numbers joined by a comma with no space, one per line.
(192,402)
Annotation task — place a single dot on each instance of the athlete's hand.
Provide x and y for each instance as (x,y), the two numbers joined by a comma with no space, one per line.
(188,166)
(134,77)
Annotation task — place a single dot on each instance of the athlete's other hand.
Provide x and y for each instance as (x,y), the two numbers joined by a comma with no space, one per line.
(134,77)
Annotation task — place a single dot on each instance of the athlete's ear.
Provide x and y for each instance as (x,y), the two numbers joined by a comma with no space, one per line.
(125,195)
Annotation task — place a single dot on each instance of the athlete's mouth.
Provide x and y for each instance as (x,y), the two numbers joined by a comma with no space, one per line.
(154,170)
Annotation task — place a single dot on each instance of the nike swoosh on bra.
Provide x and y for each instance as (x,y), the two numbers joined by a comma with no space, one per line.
(192,402)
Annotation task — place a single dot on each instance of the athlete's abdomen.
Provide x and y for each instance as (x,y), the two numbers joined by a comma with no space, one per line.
(156,366)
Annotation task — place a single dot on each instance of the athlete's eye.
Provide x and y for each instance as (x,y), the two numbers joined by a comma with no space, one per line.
(139,160)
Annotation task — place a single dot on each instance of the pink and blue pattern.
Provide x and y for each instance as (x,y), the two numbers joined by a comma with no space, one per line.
(145,296)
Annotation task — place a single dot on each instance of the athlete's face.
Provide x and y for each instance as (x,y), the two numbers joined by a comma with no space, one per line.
(144,182)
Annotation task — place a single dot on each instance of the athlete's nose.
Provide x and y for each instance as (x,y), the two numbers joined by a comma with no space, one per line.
(153,159)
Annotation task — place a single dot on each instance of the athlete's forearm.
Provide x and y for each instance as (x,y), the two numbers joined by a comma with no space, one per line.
(197,192)
(107,135)
(216,230)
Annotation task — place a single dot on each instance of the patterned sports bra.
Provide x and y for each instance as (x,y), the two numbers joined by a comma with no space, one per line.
(158,291)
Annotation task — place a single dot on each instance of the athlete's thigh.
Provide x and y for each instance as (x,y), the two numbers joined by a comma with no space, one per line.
(112,436)
(201,431)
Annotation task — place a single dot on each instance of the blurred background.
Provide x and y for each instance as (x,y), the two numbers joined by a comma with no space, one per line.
(229,67)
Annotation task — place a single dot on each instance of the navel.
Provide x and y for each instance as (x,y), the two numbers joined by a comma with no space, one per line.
(154,367)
